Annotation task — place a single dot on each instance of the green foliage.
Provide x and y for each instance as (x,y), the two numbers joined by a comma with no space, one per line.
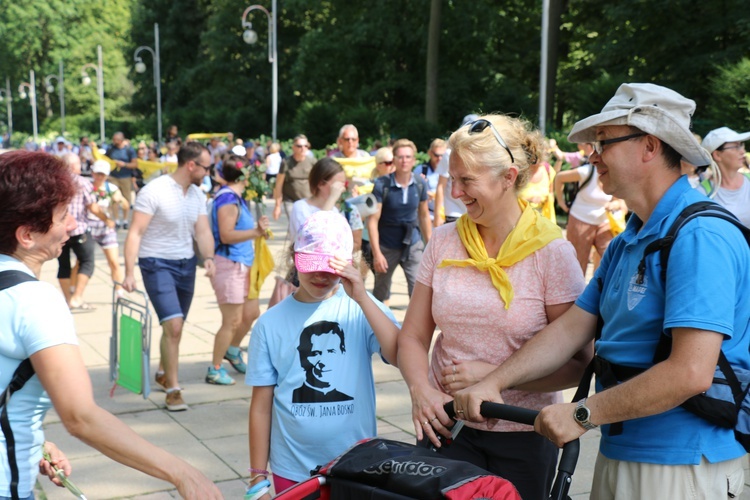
(347,61)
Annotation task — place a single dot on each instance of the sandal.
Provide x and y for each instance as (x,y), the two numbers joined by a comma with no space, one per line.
(85,306)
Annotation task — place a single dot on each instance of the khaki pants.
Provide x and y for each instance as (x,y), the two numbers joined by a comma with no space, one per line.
(620,480)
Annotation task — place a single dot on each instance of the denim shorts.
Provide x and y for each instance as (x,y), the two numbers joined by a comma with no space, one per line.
(170,285)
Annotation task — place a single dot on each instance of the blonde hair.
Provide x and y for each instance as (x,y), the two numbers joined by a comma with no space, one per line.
(274,148)
(483,150)
(382,153)
(437,143)
(404,143)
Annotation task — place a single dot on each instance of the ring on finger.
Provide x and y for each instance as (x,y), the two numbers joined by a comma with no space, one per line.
(433,419)
(426,422)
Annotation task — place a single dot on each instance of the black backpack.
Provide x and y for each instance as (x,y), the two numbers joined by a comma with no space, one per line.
(727,402)
(22,374)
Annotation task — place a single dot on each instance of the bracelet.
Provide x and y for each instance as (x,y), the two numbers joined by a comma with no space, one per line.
(259,471)
(208,258)
(253,478)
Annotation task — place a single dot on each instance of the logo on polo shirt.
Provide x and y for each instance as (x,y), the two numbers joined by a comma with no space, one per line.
(636,291)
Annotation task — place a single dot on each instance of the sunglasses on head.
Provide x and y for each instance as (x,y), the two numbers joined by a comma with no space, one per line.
(478,126)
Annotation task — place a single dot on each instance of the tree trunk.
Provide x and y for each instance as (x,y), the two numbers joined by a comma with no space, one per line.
(433,52)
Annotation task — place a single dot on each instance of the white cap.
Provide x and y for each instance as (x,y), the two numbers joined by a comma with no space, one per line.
(101,167)
(719,136)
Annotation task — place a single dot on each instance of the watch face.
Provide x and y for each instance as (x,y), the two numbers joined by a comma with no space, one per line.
(582,414)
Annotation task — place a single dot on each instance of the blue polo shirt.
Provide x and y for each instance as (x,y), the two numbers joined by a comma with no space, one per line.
(707,287)
(126,154)
(399,210)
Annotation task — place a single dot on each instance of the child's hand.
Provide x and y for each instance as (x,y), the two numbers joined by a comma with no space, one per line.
(351,279)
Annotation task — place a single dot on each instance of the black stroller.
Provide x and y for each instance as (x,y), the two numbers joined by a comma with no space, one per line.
(390,470)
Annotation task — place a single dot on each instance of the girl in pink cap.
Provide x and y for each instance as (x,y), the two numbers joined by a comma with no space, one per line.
(311,405)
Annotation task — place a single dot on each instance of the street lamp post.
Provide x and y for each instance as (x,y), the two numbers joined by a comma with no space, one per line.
(99,86)
(31,87)
(250,37)
(5,94)
(140,67)
(61,88)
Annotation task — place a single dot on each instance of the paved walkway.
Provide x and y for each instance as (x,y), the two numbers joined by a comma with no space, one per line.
(212,435)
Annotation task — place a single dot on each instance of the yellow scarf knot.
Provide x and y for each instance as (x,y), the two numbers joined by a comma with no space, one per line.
(531,233)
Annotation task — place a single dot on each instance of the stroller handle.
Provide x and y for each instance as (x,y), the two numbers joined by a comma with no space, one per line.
(570,451)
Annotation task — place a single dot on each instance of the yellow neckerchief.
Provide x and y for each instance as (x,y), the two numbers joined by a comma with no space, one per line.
(532,232)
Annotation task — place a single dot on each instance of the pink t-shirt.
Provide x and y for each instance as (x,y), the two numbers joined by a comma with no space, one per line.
(473,320)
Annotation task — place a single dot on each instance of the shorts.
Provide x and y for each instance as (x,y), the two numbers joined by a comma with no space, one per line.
(170,285)
(106,237)
(83,247)
(231,281)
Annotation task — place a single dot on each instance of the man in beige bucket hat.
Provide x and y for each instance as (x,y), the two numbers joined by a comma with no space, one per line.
(650,446)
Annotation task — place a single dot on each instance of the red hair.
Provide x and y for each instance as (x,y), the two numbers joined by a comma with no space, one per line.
(32,186)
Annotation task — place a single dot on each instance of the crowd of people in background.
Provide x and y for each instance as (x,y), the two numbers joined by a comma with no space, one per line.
(493,280)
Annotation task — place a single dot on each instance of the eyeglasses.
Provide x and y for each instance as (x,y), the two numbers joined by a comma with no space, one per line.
(204,167)
(386,163)
(404,158)
(301,146)
(350,139)
(480,125)
(599,145)
(724,146)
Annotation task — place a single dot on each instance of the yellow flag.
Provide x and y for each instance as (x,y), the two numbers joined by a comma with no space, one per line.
(149,167)
(98,156)
(357,167)
(261,268)
(206,135)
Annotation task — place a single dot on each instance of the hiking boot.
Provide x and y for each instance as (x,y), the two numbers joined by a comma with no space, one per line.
(236,361)
(175,401)
(218,377)
(161,379)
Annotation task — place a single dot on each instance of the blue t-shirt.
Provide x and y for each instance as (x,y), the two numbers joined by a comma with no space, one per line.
(400,210)
(244,251)
(310,427)
(126,154)
(33,316)
(708,288)
(432,178)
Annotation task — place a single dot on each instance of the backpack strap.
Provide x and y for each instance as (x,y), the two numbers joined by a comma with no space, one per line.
(588,177)
(23,373)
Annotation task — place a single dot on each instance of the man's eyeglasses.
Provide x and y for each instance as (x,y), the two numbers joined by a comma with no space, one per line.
(301,146)
(599,145)
(204,167)
(725,146)
(389,163)
(480,125)
(350,139)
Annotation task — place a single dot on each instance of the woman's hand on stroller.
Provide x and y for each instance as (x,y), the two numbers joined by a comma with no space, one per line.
(556,423)
(462,374)
(428,415)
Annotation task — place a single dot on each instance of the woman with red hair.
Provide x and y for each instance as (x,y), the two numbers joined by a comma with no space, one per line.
(40,351)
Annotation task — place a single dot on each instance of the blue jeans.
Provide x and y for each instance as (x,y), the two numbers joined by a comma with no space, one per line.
(170,285)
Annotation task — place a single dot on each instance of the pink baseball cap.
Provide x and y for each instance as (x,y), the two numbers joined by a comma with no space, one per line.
(325,234)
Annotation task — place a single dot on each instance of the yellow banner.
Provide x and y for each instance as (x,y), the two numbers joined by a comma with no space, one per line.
(149,167)
(205,135)
(357,167)
(98,156)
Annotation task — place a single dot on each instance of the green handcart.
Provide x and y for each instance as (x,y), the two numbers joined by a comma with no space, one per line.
(130,343)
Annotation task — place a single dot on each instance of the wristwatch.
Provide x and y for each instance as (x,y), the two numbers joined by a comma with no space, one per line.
(582,414)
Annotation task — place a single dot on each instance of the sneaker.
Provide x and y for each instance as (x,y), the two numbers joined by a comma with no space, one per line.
(236,361)
(126,225)
(218,377)
(175,401)
(161,379)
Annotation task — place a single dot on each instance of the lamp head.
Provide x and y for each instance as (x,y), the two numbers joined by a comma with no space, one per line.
(250,36)
(86,80)
(140,67)
(22,95)
(50,88)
